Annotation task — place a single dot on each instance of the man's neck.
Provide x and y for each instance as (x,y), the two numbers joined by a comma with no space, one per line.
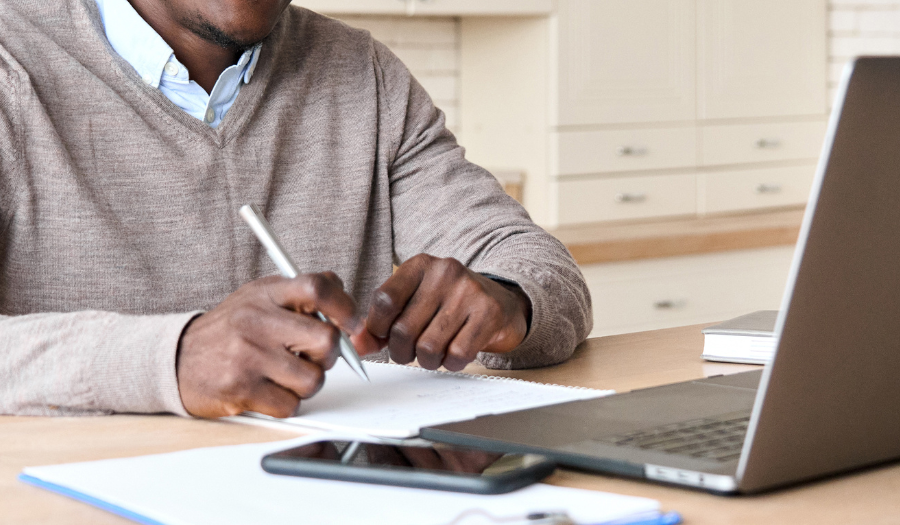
(205,60)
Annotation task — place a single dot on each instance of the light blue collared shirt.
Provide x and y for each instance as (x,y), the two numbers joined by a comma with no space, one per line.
(142,47)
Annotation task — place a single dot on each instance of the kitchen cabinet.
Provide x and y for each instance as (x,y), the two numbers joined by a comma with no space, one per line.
(636,110)
(604,96)
(623,150)
(626,198)
(429,7)
(761,58)
(661,293)
(751,189)
(626,61)
(723,144)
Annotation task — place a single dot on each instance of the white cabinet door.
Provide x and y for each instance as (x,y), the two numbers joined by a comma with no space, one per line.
(625,61)
(761,58)
(364,7)
(483,7)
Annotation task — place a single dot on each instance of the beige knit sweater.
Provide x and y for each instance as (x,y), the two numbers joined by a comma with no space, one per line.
(118,211)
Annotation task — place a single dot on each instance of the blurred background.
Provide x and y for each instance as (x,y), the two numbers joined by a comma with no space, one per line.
(670,144)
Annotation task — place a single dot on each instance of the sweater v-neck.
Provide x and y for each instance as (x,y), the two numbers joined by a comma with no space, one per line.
(89,27)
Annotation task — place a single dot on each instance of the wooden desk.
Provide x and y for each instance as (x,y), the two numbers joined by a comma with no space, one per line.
(623,362)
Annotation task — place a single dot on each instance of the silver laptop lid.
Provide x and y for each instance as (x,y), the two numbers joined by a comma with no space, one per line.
(830,400)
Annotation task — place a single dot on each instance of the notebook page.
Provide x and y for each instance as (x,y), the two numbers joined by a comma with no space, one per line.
(400,400)
(227,486)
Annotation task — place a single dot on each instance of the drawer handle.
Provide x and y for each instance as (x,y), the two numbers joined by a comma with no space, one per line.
(668,305)
(631,198)
(768,143)
(631,151)
(768,189)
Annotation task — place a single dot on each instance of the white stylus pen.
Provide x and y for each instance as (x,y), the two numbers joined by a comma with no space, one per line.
(266,236)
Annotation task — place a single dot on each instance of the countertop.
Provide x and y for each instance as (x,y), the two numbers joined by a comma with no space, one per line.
(624,241)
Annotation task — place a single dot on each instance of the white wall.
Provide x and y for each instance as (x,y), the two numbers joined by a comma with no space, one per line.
(429,47)
(861,27)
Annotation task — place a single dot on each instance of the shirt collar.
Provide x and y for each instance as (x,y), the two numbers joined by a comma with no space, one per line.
(252,57)
(142,47)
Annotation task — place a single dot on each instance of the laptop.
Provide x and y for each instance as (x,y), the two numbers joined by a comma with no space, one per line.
(828,402)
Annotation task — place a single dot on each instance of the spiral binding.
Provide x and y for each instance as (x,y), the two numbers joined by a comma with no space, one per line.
(484,377)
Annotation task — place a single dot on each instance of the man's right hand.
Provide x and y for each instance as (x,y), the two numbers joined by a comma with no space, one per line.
(263,349)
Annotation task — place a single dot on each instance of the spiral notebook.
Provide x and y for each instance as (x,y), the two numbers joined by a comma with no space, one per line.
(400,400)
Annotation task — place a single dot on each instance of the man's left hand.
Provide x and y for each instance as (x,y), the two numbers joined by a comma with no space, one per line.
(441,313)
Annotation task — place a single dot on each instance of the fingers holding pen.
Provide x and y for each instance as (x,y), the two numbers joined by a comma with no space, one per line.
(314,294)
(268,398)
(262,349)
(290,333)
(318,292)
(324,293)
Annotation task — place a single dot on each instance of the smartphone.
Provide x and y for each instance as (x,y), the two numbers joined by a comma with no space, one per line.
(413,463)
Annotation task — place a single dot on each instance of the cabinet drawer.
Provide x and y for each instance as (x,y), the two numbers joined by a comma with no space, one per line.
(737,144)
(677,291)
(586,152)
(754,189)
(618,198)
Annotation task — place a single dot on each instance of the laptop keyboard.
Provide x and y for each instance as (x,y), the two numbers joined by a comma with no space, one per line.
(719,439)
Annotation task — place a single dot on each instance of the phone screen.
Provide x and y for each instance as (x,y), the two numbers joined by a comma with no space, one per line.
(434,457)
(414,463)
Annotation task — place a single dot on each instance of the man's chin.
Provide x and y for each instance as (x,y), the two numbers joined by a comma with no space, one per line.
(235,24)
(245,39)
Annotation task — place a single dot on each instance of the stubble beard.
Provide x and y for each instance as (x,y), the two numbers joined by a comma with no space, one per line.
(212,33)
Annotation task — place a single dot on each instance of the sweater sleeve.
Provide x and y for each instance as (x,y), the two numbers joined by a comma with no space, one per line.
(10,140)
(86,363)
(79,363)
(445,206)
